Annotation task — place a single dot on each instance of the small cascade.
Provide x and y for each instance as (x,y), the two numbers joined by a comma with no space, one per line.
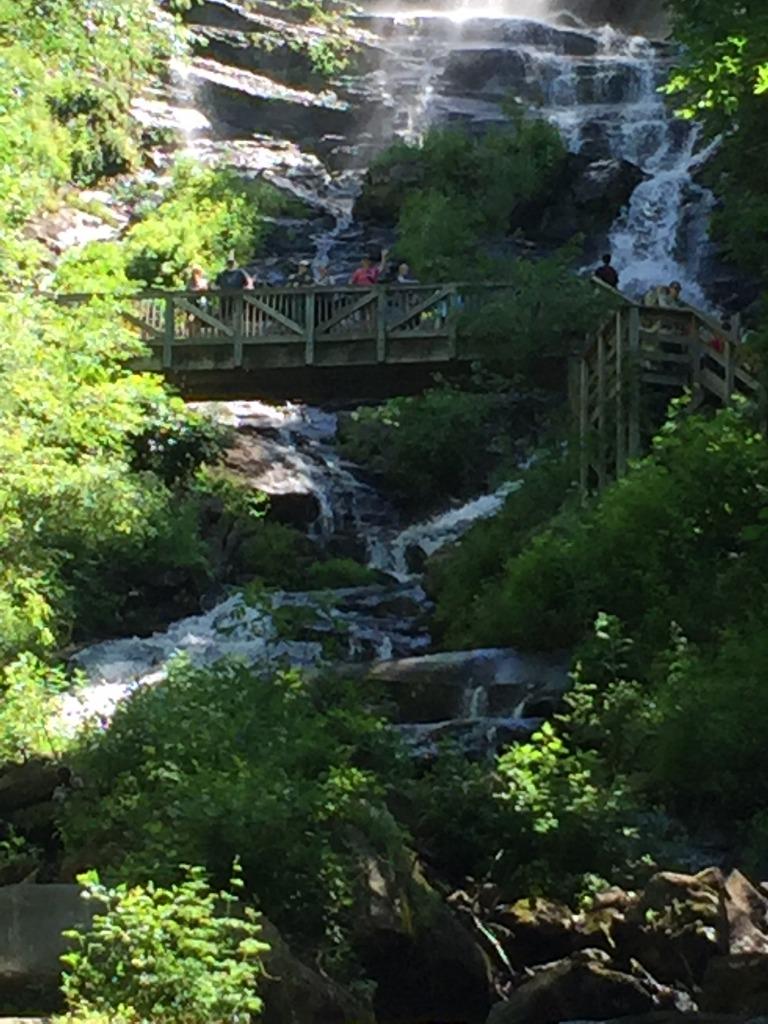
(403,554)
(269,629)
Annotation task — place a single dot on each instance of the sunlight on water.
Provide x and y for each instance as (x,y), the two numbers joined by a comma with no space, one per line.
(471,10)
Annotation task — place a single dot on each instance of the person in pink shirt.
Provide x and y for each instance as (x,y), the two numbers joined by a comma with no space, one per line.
(367,274)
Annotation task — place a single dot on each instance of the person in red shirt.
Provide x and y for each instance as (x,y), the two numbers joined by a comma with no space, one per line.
(367,274)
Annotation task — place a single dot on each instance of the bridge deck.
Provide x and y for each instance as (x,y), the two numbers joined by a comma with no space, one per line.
(290,328)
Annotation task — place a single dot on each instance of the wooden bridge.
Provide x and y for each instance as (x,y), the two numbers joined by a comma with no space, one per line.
(260,341)
(621,383)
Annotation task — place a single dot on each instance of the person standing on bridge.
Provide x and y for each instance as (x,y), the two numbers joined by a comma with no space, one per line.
(302,276)
(368,274)
(231,278)
(607,273)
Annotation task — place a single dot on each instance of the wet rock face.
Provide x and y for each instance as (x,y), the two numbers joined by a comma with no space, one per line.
(642,17)
(684,942)
(586,200)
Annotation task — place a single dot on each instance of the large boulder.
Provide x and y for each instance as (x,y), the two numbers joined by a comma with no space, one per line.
(737,983)
(677,926)
(295,994)
(32,919)
(584,985)
(426,965)
(586,199)
(262,462)
(458,684)
(746,910)
(23,785)
(385,187)
(538,931)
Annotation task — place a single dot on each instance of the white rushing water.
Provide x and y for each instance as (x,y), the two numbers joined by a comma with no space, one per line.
(369,623)
(600,86)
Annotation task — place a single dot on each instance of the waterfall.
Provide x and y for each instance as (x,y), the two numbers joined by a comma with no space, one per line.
(598,85)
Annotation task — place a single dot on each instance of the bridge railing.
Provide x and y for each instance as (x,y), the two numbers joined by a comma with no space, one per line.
(640,358)
(291,326)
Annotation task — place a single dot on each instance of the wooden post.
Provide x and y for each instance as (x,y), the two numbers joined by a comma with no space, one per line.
(634,372)
(583,427)
(602,475)
(381,324)
(730,370)
(621,419)
(238,323)
(453,315)
(309,328)
(168,332)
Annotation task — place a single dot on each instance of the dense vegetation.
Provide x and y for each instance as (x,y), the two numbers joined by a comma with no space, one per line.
(724,83)
(108,486)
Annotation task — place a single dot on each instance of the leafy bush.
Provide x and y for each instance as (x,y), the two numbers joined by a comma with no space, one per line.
(711,738)
(688,521)
(466,187)
(543,311)
(165,954)
(338,572)
(68,74)
(221,762)
(430,447)
(456,575)
(203,214)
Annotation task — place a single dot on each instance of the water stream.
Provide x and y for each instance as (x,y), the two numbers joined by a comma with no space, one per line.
(458,61)
(364,624)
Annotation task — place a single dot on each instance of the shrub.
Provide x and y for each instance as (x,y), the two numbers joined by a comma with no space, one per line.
(177,955)
(467,187)
(430,447)
(686,522)
(542,312)
(458,574)
(222,762)
(202,215)
(338,572)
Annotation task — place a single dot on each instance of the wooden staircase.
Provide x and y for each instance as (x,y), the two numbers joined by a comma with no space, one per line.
(622,381)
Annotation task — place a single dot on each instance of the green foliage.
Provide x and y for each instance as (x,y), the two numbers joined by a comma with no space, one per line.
(221,762)
(204,213)
(68,74)
(68,413)
(566,815)
(468,187)
(457,575)
(29,692)
(180,955)
(277,555)
(430,447)
(547,815)
(687,522)
(723,81)
(710,753)
(440,234)
(338,572)
(542,311)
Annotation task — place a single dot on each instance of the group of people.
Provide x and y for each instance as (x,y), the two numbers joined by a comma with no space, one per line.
(234,278)
(666,296)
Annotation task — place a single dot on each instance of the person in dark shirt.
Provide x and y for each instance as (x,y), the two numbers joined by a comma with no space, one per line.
(607,273)
(233,277)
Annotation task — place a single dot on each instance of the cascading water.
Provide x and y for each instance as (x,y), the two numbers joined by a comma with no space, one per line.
(354,624)
(458,60)
(601,88)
